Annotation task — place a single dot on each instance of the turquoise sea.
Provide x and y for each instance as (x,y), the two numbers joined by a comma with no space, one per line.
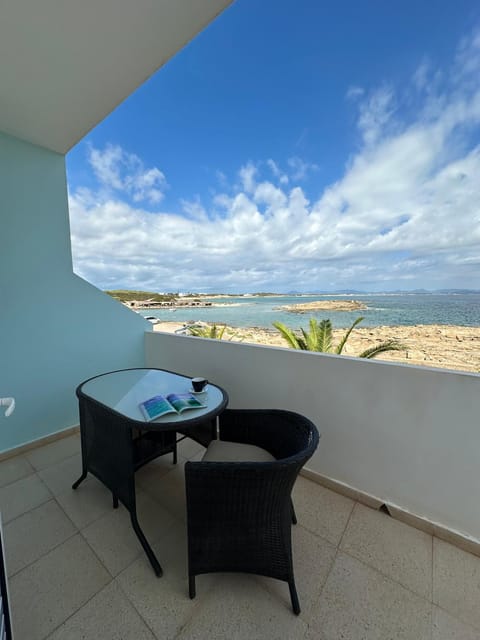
(382,309)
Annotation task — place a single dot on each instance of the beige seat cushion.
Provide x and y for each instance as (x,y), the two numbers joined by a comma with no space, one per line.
(224,451)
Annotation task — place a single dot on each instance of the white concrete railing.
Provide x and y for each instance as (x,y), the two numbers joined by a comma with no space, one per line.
(408,435)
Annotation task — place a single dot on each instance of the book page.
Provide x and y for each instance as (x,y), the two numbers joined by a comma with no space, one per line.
(156,407)
(183,401)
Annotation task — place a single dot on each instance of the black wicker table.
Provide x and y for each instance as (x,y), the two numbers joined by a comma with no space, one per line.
(116,440)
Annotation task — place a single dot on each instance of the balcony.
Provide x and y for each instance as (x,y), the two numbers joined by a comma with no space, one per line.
(398,436)
(77,569)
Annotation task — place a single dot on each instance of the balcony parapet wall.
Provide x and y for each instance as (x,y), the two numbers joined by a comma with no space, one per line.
(407,435)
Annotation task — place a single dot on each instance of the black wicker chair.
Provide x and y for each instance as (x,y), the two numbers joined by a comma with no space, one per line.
(239,509)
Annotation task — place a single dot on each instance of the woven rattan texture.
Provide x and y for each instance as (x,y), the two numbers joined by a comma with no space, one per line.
(112,450)
(240,513)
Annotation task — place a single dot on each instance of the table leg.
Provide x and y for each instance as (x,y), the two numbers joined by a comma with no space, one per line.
(147,548)
(80,480)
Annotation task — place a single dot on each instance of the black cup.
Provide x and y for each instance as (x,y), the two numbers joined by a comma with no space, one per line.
(199,384)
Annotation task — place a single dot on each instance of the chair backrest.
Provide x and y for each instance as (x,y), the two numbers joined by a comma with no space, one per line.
(284,434)
(289,437)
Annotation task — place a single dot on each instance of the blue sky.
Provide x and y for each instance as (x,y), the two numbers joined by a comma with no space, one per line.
(292,145)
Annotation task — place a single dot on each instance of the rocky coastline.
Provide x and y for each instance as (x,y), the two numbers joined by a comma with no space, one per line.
(441,346)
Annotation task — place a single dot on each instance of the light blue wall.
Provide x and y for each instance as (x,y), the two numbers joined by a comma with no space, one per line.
(55,329)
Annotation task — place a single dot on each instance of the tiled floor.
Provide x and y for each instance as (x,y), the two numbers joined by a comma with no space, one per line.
(77,571)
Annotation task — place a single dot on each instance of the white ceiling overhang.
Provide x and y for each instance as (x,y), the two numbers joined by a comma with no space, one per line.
(66,64)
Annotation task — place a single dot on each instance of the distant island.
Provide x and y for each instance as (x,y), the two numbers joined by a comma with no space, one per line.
(322,305)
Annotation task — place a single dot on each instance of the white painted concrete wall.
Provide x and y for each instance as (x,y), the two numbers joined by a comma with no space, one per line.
(408,435)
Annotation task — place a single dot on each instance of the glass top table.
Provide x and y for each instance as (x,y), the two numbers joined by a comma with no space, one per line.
(116,439)
(124,390)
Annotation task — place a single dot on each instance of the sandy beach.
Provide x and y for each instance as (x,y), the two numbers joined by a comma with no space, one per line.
(443,346)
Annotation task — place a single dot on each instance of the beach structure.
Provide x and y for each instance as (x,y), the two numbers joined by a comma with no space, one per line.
(388,517)
(166,304)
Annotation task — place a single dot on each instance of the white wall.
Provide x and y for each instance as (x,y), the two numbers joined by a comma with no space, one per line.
(408,435)
(55,329)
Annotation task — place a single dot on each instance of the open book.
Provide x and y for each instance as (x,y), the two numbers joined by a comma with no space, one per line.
(173,403)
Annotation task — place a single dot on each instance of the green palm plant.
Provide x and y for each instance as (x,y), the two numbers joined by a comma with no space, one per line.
(319,337)
(214,331)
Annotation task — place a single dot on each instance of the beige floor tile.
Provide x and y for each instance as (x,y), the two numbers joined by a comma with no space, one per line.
(400,552)
(14,469)
(312,560)
(108,616)
(358,603)
(163,602)
(314,634)
(188,448)
(320,510)
(49,591)
(21,496)
(87,503)
(34,534)
(60,477)
(54,452)
(171,549)
(151,472)
(169,491)
(154,519)
(238,608)
(456,582)
(445,627)
(114,540)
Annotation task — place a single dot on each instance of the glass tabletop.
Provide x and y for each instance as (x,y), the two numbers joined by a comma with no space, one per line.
(124,390)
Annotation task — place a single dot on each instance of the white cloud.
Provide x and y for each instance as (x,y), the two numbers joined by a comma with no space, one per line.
(420,77)
(274,168)
(222,178)
(375,114)
(300,168)
(105,165)
(194,209)
(406,212)
(117,170)
(354,92)
(277,172)
(247,176)
(273,197)
(467,61)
